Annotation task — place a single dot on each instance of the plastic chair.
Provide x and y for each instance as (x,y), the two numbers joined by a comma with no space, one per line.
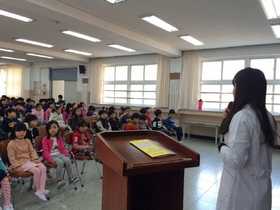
(68,138)
(42,130)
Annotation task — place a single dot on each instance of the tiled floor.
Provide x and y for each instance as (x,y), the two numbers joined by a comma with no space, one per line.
(201,185)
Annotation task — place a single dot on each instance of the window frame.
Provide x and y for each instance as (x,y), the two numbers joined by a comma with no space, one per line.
(129,82)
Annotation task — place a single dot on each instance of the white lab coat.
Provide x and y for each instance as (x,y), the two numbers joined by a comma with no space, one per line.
(245,182)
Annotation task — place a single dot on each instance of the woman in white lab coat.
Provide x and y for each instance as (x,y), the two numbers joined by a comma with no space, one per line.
(250,133)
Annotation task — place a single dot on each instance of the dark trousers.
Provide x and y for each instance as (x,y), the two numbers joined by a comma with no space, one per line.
(179,132)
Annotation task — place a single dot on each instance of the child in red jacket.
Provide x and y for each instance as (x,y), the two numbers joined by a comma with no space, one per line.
(55,152)
(82,143)
(133,122)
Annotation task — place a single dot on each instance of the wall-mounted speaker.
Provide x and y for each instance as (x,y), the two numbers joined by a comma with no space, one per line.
(82,69)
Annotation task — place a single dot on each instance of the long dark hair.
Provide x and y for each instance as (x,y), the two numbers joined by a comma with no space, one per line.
(68,106)
(17,127)
(48,126)
(250,88)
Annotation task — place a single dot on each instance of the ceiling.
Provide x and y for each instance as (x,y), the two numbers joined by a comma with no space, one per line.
(217,23)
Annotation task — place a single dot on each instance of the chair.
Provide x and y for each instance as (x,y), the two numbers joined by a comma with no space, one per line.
(91,121)
(42,130)
(69,121)
(13,173)
(68,138)
(38,146)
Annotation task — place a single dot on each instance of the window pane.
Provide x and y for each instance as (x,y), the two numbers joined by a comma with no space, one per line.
(120,94)
(210,97)
(136,87)
(136,94)
(108,100)
(210,88)
(276,108)
(209,105)
(227,97)
(108,87)
(211,70)
(151,72)
(108,93)
(230,68)
(277,89)
(121,73)
(121,100)
(227,88)
(276,99)
(269,98)
(149,95)
(150,102)
(137,73)
(278,68)
(150,87)
(269,89)
(121,87)
(269,107)
(135,101)
(265,65)
(109,74)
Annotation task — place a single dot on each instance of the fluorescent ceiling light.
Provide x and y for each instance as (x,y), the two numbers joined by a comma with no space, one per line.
(34,43)
(276,30)
(15,16)
(37,55)
(77,52)
(6,50)
(271,8)
(114,1)
(82,36)
(121,48)
(160,23)
(11,58)
(192,40)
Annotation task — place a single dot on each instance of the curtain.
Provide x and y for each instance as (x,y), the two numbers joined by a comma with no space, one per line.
(189,83)
(162,85)
(14,80)
(96,80)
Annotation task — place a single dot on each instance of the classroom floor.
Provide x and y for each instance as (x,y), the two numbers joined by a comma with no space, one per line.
(200,190)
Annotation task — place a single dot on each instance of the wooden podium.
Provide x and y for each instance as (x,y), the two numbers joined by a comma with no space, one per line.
(133,180)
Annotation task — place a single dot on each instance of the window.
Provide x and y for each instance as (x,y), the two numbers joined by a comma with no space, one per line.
(3,78)
(133,85)
(216,82)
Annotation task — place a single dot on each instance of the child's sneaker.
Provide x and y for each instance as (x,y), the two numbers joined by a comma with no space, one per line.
(46,192)
(74,180)
(60,184)
(7,207)
(41,195)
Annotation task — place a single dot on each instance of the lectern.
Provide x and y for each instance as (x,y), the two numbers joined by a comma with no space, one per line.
(132,180)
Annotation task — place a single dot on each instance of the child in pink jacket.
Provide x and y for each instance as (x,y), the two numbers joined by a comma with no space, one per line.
(55,152)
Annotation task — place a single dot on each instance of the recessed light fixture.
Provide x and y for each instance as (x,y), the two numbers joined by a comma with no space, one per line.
(121,47)
(77,52)
(82,36)
(114,1)
(11,58)
(37,55)
(191,40)
(6,50)
(15,16)
(276,30)
(160,23)
(34,43)
(271,8)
